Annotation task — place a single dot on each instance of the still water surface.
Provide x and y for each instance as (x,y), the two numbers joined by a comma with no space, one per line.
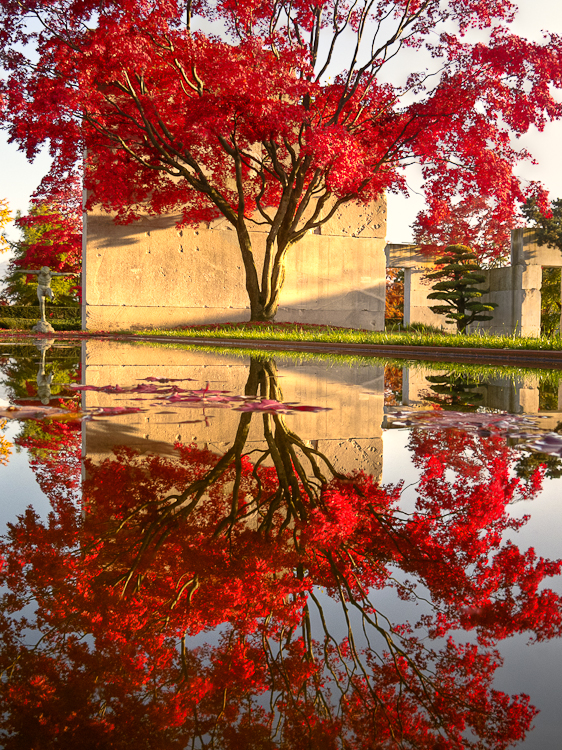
(203,550)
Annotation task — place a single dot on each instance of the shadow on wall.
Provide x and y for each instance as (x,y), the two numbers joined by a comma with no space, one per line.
(351,437)
(360,309)
(151,274)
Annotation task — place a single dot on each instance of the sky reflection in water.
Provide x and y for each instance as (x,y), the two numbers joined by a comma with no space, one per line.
(289,574)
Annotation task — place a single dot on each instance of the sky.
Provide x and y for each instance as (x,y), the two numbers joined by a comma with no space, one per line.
(19,178)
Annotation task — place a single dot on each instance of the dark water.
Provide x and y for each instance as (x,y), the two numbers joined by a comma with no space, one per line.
(210,551)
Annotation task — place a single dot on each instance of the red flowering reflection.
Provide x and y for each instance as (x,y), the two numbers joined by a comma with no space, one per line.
(55,448)
(218,602)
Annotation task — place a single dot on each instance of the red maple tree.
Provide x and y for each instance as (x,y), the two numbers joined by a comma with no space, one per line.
(483,225)
(51,236)
(55,224)
(283,117)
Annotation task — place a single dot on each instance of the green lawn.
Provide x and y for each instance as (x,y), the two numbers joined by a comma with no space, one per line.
(296,332)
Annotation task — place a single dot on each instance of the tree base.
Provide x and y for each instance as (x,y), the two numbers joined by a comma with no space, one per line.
(262,319)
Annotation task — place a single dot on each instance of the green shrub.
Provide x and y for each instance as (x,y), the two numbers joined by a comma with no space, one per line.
(27,324)
(31,312)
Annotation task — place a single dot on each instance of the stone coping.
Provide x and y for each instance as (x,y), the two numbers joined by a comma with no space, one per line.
(533,358)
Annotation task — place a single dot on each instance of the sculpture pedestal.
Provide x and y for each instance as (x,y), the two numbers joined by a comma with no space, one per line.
(42,327)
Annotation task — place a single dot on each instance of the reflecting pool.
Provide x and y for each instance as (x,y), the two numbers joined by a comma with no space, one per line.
(209,550)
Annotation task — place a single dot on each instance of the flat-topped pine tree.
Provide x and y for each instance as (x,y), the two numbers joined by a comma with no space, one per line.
(459,288)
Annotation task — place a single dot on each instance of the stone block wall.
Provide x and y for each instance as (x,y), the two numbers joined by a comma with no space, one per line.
(150,274)
(417,305)
(518,395)
(515,289)
(502,283)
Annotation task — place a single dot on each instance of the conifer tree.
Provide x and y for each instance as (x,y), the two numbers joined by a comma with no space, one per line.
(458,288)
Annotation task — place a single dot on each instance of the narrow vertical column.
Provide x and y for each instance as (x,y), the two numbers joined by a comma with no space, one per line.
(84,254)
(407,296)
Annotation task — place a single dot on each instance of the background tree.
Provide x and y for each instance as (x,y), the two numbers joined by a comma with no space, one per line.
(546,221)
(282,120)
(5,445)
(51,235)
(394,309)
(458,286)
(21,363)
(551,306)
(5,218)
(457,392)
(393,384)
(483,225)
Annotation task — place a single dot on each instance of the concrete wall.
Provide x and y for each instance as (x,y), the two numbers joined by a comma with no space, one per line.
(416,288)
(531,258)
(417,305)
(349,434)
(514,395)
(150,274)
(515,289)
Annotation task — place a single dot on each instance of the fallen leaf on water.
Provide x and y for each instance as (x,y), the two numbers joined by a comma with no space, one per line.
(551,444)
(311,408)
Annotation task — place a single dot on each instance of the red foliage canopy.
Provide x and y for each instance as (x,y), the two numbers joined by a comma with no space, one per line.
(51,236)
(285,117)
(58,245)
(484,226)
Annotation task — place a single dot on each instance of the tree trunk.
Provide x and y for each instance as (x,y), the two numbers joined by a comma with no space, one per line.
(264,301)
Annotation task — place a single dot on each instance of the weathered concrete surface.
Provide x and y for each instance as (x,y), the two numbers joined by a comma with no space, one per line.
(150,274)
(526,251)
(402,255)
(357,220)
(416,303)
(416,286)
(351,437)
(515,289)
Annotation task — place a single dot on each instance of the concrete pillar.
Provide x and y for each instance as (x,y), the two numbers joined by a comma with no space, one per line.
(418,303)
(407,296)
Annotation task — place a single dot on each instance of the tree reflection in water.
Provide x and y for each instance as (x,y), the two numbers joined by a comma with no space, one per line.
(257,548)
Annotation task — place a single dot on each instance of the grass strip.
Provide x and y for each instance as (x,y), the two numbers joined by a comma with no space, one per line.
(333,335)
